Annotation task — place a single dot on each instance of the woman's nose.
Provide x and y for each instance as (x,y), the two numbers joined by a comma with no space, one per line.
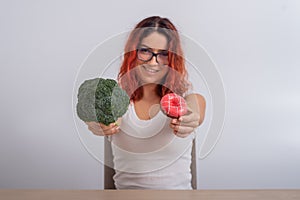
(153,60)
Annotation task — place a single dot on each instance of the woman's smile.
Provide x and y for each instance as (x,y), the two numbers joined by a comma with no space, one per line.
(150,70)
(152,73)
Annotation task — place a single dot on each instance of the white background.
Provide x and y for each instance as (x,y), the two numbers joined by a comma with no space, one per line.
(255,45)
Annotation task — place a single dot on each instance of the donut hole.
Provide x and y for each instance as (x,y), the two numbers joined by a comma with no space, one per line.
(173,105)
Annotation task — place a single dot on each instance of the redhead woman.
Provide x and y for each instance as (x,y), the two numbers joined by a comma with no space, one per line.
(150,149)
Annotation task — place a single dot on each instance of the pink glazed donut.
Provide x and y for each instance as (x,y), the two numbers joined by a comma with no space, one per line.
(173,105)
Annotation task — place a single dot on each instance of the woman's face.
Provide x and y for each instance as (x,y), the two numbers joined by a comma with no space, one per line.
(155,69)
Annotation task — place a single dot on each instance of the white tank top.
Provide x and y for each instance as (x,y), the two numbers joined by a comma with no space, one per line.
(147,155)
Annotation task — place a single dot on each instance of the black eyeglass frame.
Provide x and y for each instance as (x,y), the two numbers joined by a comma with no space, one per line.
(153,54)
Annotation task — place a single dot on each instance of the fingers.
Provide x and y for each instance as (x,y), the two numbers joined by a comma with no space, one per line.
(191,120)
(185,125)
(182,131)
(110,129)
(190,117)
(101,129)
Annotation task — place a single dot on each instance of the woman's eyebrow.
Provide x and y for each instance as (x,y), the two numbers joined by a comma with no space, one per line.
(143,45)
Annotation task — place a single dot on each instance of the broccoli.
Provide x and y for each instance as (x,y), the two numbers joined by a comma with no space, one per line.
(101,100)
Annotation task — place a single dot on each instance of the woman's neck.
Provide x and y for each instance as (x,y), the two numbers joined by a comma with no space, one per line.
(150,93)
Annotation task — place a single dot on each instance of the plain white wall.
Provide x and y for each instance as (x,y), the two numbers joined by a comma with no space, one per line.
(255,45)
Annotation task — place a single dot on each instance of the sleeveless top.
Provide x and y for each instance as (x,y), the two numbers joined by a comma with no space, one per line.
(147,154)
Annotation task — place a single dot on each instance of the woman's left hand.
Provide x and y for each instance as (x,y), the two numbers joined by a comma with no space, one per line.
(185,125)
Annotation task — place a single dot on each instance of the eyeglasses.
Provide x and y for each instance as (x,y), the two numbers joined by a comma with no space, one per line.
(145,54)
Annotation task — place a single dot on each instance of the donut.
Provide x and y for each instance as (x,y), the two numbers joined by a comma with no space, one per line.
(173,105)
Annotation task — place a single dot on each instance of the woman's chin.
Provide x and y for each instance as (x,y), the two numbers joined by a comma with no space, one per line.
(150,80)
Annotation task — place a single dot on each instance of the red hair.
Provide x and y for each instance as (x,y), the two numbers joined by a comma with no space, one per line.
(175,80)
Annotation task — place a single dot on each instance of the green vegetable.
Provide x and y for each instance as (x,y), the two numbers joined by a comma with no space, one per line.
(101,100)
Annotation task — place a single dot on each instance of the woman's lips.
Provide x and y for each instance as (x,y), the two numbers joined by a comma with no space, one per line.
(150,70)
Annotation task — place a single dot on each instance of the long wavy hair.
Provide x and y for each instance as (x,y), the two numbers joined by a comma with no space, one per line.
(175,80)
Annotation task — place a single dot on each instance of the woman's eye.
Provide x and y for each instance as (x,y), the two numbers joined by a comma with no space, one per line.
(144,50)
(164,53)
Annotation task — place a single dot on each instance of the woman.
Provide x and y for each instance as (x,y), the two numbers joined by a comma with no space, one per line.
(147,153)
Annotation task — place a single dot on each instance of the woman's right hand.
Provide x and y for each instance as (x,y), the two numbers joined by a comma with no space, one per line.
(103,130)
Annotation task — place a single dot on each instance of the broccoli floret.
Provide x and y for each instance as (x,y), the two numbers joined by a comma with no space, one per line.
(101,100)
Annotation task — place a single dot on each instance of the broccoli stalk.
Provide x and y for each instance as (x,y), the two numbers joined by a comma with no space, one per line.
(101,100)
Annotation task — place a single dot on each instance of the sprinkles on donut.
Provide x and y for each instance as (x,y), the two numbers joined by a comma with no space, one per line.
(173,105)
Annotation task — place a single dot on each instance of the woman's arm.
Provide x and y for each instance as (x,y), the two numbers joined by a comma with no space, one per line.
(196,103)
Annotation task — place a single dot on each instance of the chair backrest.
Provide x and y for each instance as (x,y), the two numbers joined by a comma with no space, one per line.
(109,171)
(194,166)
(108,161)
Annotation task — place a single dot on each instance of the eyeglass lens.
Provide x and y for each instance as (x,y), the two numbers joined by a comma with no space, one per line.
(146,55)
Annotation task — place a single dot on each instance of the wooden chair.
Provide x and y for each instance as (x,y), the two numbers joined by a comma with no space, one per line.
(109,172)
